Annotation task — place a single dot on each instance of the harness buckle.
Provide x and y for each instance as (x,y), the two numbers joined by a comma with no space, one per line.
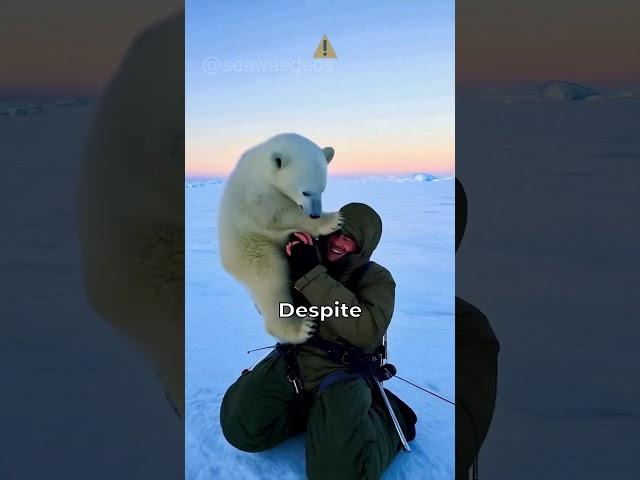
(345,358)
(297,383)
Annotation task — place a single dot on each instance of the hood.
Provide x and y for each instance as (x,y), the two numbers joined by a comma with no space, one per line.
(365,226)
(461,212)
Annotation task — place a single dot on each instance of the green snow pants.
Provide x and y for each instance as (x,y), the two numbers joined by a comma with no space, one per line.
(347,436)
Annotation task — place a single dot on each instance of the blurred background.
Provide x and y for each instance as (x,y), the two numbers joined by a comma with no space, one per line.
(79,399)
(69,48)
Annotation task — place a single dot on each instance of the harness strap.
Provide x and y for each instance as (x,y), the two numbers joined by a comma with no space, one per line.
(291,367)
(358,363)
(353,357)
(335,352)
(335,377)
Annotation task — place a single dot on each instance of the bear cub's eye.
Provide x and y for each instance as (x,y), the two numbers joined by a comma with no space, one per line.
(306,194)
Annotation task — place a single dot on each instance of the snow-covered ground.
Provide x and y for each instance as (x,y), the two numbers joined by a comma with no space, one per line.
(551,257)
(78,400)
(417,246)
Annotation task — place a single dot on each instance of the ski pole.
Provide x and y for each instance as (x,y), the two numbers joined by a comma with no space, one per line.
(247,370)
(383,394)
(405,444)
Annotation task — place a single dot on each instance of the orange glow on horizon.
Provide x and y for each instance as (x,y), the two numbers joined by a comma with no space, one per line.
(350,159)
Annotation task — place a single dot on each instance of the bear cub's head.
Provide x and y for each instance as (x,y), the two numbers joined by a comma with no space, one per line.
(299,170)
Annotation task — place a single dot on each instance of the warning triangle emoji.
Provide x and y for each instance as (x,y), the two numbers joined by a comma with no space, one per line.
(325,50)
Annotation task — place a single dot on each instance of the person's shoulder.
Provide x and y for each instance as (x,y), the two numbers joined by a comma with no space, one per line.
(471,324)
(465,309)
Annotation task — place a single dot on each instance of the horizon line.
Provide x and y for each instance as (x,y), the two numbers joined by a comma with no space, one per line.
(212,176)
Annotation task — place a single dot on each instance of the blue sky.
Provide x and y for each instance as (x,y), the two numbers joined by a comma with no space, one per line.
(386,103)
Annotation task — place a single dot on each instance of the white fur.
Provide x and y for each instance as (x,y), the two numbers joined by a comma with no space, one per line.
(262,204)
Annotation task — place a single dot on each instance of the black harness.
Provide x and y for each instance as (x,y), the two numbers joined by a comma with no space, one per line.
(349,356)
(358,362)
(352,357)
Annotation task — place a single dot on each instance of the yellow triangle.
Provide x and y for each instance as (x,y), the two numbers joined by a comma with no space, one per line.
(325,50)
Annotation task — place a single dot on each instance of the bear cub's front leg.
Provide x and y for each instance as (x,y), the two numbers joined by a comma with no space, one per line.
(268,295)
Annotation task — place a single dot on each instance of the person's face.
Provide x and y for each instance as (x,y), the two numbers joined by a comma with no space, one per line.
(339,245)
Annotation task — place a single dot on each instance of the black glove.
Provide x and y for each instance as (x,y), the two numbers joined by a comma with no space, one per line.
(302,260)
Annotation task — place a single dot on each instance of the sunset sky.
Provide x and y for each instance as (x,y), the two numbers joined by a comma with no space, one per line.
(386,104)
(508,43)
(66,48)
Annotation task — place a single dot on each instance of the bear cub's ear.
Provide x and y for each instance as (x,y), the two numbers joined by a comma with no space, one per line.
(279,160)
(328,153)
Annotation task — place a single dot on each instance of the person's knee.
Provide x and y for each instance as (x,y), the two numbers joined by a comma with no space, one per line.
(346,439)
(244,440)
(252,413)
(359,457)
(337,460)
(239,424)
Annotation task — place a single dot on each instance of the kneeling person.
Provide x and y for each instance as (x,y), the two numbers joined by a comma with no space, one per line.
(349,433)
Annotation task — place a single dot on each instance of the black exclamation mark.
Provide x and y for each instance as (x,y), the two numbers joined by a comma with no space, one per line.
(324,47)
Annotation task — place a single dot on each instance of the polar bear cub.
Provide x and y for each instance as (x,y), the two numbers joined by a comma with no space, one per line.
(274,190)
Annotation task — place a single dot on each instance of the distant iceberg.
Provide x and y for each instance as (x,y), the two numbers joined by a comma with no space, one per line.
(561,90)
(201,183)
(423,177)
(80,102)
(633,92)
(412,177)
(15,109)
(19,110)
(510,95)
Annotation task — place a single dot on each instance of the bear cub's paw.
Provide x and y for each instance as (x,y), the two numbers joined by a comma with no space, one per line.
(329,223)
(307,329)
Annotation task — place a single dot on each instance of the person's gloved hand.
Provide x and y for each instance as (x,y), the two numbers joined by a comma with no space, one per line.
(302,254)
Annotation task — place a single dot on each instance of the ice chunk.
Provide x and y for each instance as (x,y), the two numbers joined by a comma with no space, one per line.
(423,177)
(564,91)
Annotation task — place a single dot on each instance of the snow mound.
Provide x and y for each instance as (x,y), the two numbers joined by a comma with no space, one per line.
(562,91)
